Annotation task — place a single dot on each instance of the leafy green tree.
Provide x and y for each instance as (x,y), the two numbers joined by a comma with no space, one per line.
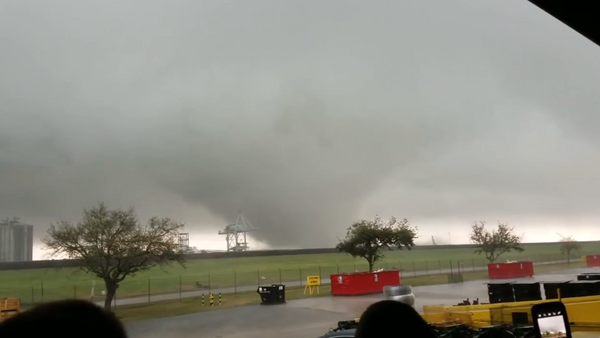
(367,239)
(113,245)
(496,242)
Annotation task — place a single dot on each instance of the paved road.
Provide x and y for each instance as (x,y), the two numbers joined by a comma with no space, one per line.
(324,281)
(291,320)
(303,318)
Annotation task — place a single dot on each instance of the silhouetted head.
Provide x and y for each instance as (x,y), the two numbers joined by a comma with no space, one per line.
(65,319)
(387,317)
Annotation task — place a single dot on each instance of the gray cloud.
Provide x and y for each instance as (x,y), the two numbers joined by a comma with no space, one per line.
(296,113)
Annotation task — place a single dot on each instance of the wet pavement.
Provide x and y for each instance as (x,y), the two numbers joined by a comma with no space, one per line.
(310,317)
(247,322)
(324,281)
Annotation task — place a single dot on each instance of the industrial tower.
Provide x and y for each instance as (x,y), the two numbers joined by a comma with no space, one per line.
(184,241)
(235,234)
(16,241)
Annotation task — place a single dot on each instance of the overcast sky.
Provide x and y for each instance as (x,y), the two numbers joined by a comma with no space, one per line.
(303,115)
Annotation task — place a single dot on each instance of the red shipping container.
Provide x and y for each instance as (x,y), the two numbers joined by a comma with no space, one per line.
(510,270)
(592,261)
(363,283)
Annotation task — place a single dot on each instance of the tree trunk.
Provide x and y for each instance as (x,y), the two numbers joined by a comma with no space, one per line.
(371,264)
(111,291)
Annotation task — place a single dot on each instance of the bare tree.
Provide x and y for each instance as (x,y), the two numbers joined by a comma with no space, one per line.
(367,239)
(112,245)
(496,242)
(569,247)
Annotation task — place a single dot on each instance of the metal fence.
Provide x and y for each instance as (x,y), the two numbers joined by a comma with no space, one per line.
(171,287)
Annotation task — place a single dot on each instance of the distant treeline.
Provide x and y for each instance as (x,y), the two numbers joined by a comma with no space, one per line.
(66,263)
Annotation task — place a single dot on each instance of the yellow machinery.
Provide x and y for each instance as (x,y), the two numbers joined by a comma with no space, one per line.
(9,307)
(584,313)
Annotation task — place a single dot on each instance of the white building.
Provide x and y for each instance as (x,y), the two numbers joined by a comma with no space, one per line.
(16,241)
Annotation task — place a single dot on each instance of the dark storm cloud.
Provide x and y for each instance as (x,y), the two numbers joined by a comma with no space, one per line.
(538,156)
(295,112)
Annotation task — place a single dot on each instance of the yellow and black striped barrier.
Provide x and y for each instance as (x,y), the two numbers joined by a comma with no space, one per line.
(211,299)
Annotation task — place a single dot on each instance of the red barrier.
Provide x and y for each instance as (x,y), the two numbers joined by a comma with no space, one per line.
(592,261)
(510,270)
(363,283)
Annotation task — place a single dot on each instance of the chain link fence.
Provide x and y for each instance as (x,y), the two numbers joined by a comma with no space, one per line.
(140,289)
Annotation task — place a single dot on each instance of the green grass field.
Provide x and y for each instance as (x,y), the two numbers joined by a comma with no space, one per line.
(42,285)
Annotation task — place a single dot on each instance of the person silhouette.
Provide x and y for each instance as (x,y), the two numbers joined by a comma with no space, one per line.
(388,316)
(65,319)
